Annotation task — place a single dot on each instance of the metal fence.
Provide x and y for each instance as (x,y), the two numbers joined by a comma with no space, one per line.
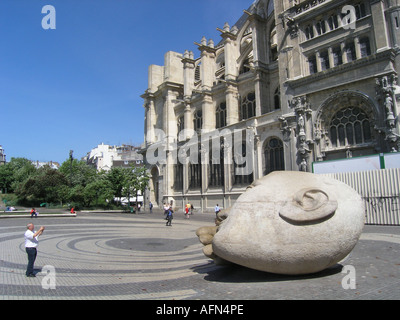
(380,190)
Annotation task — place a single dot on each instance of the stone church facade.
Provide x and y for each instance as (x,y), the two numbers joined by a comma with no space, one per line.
(291,83)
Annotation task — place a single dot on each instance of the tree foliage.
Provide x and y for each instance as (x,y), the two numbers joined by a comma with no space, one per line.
(75,183)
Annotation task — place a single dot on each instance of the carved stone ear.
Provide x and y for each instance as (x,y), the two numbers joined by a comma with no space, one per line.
(309,205)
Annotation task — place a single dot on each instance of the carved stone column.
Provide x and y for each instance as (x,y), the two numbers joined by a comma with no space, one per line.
(386,89)
(304,134)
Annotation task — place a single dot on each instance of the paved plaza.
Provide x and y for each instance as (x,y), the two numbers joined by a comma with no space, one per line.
(111,256)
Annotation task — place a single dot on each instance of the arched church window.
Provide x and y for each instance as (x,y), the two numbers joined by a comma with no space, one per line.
(248,106)
(197,76)
(198,120)
(274,156)
(350,126)
(241,176)
(216,166)
(178,177)
(195,173)
(220,116)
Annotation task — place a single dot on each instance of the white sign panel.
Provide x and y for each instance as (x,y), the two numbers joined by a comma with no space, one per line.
(392,160)
(348,165)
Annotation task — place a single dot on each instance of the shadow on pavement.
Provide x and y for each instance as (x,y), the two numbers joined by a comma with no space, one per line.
(238,274)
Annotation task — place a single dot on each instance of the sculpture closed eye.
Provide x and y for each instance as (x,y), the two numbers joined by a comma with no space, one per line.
(288,223)
(309,205)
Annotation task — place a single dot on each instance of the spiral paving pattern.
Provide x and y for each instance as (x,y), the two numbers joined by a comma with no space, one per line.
(125,258)
(110,257)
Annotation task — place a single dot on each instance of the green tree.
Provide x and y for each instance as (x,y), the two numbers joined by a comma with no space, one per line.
(46,185)
(13,173)
(135,179)
(142,179)
(6,178)
(78,172)
(116,177)
(98,192)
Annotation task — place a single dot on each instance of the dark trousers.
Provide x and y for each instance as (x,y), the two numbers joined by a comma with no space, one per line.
(32,253)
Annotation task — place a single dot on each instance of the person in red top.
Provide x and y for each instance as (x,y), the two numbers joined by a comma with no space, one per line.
(187,212)
(73,210)
(33,213)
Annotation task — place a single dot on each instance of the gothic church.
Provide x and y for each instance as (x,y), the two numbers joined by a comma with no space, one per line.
(291,83)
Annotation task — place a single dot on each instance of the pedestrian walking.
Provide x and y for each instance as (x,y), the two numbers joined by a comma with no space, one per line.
(187,212)
(217,210)
(151,207)
(169,217)
(31,243)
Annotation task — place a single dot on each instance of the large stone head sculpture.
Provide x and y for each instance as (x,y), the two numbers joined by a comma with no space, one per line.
(290,223)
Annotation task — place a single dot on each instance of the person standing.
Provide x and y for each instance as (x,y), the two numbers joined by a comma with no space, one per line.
(31,243)
(187,212)
(169,216)
(217,210)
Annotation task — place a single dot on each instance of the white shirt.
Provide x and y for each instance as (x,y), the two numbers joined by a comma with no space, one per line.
(30,241)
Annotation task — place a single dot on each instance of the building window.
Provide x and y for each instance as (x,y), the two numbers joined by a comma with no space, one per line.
(312,64)
(351,51)
(220,116)
(195,173)
(350,126)
(273,156)
(365,47)
(248,106)
(324,58)
(240,176)
(360,11)
(333,22)
(197,73)
(321,28)
(198,120)
(309,32)
(216,167)
(337,56)
(277,99)
(178,175)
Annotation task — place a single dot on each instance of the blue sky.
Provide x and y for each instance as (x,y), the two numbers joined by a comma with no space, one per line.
(79,85)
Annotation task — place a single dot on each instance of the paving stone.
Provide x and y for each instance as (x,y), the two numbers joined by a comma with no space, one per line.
(109,256)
